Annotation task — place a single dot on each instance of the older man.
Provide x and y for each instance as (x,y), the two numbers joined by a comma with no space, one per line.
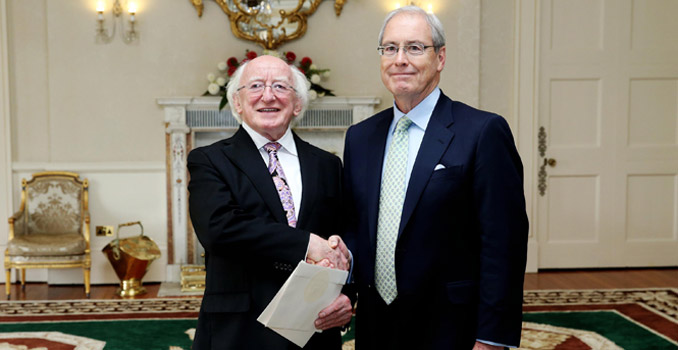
(435,189)
(260,202)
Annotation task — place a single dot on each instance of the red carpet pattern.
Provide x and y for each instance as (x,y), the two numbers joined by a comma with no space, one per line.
(61,310)
(654,309)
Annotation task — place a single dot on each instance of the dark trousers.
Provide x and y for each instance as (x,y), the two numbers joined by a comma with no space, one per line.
(412,323)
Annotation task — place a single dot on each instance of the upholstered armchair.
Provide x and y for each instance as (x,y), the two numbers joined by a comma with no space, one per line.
(51,229)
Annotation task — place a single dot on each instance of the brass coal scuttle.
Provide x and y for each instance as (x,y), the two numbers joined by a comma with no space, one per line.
(130,258)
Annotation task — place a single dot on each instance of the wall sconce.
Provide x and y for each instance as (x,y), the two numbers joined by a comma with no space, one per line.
(128,36)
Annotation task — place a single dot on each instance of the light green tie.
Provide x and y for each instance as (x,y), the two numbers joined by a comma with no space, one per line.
(391,200)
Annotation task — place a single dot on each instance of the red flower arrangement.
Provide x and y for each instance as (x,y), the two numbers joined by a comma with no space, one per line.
(312,73)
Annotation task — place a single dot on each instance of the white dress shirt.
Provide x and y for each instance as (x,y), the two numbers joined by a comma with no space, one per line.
(289,160)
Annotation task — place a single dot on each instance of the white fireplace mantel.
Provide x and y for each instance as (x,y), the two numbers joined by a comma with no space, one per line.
(187,118)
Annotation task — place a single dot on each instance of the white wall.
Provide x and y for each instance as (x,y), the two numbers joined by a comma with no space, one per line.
(64,84)
(82,106)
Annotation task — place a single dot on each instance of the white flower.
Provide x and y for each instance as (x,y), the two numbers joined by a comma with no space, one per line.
(322,94)
(221,81)
(213,89)
(211,77)
(312,94)
(222,66)
(313,67)
(326,74)
(315,79)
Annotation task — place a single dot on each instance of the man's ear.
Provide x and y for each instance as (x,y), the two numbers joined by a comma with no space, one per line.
(297,107)
(442,56)
(237,104)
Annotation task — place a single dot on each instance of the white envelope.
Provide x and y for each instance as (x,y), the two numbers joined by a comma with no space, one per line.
(294,309)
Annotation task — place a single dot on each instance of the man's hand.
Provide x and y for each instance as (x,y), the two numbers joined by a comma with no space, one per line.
(483,346)
(336,242)
(320,249)
(336,314)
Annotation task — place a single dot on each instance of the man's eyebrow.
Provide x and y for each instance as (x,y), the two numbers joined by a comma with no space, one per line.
(282,78)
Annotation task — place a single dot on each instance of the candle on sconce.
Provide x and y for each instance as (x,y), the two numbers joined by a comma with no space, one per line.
(430,8)
(100,10)
(132,9)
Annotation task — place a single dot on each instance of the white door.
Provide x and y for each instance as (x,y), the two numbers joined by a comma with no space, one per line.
(608,106)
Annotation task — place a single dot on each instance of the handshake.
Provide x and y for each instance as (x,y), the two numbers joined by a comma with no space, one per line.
(331,252)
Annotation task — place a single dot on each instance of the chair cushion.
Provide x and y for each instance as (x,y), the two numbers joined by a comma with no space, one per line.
(47,244)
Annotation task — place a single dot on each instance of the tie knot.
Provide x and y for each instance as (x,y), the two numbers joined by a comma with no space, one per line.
(403,124)
(272,147)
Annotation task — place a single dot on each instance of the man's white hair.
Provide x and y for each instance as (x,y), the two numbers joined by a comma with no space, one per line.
(437,31)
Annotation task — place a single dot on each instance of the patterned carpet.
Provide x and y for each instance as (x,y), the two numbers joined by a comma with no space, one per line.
(555,319)
(650,316)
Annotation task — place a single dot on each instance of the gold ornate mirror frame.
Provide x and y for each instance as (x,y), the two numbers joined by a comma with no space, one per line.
(270,35)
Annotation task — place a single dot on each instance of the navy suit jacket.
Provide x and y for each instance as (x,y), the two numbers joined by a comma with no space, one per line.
(250,250)
(462,242)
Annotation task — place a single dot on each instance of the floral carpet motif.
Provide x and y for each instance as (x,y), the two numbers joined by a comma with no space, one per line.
(61,310)
(654,311)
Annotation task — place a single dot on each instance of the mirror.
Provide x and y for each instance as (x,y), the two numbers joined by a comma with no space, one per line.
(269,23)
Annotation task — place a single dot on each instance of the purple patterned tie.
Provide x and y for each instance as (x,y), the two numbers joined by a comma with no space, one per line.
(278,175)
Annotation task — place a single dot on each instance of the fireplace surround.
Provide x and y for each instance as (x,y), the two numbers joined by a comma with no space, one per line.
(192,122)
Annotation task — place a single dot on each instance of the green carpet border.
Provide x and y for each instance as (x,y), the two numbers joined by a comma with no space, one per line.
(565,320)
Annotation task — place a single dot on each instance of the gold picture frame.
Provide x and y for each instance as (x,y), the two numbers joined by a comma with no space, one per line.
(267,26)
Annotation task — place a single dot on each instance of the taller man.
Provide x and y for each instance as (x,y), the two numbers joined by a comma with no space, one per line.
(435,188)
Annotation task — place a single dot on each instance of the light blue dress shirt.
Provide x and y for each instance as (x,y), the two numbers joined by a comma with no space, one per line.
(420,115)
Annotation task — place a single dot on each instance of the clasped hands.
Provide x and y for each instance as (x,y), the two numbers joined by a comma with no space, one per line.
(331,253)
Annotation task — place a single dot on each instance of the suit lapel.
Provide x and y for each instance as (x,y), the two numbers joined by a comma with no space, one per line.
(244,154)
(376,146)
(437,138)
(310,170)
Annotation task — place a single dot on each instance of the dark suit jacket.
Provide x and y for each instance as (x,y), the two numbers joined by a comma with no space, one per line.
(250,249)
(461,250)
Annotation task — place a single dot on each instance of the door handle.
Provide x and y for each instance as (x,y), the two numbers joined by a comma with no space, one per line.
(547,161)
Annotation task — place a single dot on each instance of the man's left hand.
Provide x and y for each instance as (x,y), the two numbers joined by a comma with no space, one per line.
(336,314)
(483,346)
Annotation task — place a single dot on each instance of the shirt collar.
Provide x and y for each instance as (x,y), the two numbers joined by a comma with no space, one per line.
(420,114)
(287,140)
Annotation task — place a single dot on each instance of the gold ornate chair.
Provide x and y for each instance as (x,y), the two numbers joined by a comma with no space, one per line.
(51,229)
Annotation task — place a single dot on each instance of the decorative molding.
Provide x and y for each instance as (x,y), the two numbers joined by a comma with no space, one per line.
(5,131)
(99,167)
(467,53)
(272,29)
(526,80)
(176,107)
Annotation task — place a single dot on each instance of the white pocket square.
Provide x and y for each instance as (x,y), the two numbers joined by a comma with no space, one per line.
(438,167)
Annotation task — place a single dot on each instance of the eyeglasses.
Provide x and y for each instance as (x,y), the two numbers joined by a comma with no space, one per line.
(278,89)
(410,49)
